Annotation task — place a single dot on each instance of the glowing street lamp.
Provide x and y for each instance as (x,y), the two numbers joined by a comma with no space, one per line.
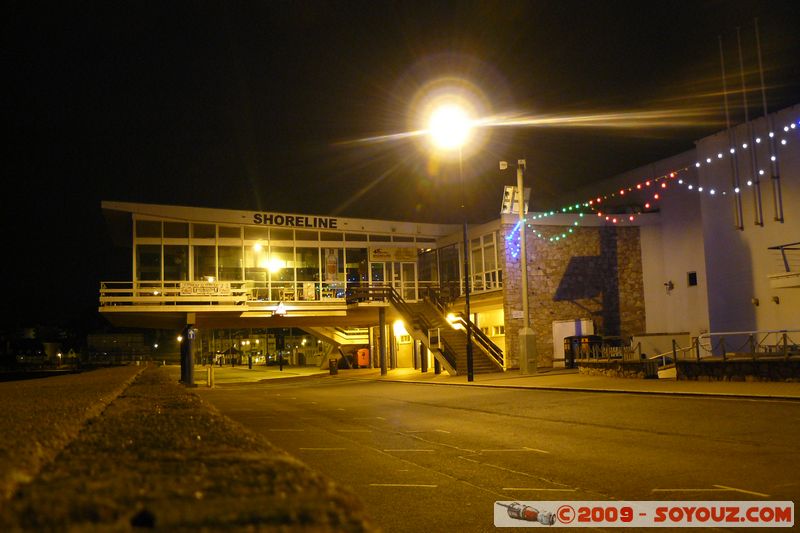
(449,127)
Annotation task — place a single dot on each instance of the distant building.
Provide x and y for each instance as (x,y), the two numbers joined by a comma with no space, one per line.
(700,243)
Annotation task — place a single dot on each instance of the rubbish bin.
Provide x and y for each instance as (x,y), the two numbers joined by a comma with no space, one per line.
(334,369)
(571,349)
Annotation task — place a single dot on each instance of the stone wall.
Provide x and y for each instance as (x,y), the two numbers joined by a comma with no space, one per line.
(620,369)
(741,370)
(595,272)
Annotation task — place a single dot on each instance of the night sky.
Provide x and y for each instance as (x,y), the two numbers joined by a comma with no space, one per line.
(254,105)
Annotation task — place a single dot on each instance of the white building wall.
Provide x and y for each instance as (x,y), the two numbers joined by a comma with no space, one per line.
(738,260)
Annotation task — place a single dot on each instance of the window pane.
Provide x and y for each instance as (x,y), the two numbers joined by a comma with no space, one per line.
(398,238)
(330,236)
(282,235)
(148,228)
(281,263)
(255,233)
(355,237)
(205,262)
(488,257)
(380,238)
(176,263)
(301,235)
(357,265)
(176,230)
(307,264)
(230,263)
(256,263)
(476,263)
(148,262)
(230,232)
(204,231)
(333,267)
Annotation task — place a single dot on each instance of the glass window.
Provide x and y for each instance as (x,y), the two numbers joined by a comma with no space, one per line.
(205,262)
(357,269)
(256,262)
(490,261)
(204,231)
(307,264)
(355,237)
(230,262)
(303,235)
(176,262)
(255,233)
(281,263)
(426,239)
(148,228)
(398,238)
(330,236)
(230,232)
(428,270)
(282,235)
(476,265)
(148,262)
(176,230)
(380,238)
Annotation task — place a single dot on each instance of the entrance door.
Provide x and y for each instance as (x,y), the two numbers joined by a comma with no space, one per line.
(405,280)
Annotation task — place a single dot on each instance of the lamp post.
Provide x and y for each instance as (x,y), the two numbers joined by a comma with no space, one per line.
(449,127)
(528,360)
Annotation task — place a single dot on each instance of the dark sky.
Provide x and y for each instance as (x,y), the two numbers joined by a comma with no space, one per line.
(248,105)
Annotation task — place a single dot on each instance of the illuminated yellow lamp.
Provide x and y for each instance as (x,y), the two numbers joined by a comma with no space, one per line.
(180,338)
(399,328)
(155,293)
(257,247)
(211,279)
(452,319)
(449,126)
(258,341)
(304,342)
(275,265)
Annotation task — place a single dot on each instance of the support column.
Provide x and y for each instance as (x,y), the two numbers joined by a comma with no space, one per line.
(382,339)
(187,351)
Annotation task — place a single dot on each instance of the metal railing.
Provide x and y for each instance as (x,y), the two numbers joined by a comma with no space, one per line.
(794,257)
(754,344)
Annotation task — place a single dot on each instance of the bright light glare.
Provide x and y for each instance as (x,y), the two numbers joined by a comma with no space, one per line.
(449,127)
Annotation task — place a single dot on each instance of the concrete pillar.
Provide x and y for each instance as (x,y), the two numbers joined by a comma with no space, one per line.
(382,339)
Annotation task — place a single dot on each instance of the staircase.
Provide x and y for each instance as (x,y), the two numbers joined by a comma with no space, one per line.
(456,340)
(423,316)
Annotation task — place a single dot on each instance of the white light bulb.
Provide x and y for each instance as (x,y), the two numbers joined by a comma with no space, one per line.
(783,142)
(712,191)
(786,128)
(772,134)
(758,139)
(690,187)
(760,172)
(772,158)
(736,190)
(708,160)
(680,182)
(744,146)
(719,155)
(697,164)
(749,183)
(700,189)
(733,151)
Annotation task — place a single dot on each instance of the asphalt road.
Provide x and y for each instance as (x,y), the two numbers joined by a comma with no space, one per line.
(436,458)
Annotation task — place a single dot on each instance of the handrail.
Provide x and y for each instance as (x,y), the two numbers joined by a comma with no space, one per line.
(484,342)
(783,248)
(392,296)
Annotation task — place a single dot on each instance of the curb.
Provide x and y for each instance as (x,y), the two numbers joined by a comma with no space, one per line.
(722,395)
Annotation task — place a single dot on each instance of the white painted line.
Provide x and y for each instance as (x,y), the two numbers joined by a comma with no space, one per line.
(367,418)
(539,489)
(409,450)
(743,491)
(466,459)
(380,418)
(355,430)
(441,431)
(401,485)
(322,449)
(284,429)
(526,449)
(339,409)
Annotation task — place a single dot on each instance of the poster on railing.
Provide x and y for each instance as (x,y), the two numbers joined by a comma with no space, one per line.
(205,288)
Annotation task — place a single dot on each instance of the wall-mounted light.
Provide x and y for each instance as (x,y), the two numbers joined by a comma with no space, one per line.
(776,299)
(669,286)
(754,301)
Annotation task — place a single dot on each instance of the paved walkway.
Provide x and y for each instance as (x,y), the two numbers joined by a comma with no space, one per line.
(556,379)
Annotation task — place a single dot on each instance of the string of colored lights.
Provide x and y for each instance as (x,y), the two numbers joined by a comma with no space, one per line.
(593,204)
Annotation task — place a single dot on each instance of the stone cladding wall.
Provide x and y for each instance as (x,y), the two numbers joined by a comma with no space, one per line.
(595,273)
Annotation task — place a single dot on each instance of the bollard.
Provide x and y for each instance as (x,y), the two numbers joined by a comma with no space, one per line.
(210,376)
(332,366)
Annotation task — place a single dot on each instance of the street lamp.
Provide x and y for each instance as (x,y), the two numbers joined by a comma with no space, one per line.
(449,127)
(527,341)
